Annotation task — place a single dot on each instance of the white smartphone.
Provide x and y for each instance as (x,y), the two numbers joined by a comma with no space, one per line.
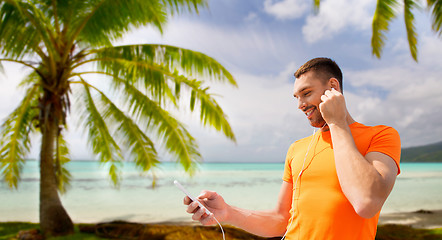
(178,185)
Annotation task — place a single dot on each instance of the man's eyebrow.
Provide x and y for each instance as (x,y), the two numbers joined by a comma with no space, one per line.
(300,91)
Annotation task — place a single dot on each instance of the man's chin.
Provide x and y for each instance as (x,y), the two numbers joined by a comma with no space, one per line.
(317,124)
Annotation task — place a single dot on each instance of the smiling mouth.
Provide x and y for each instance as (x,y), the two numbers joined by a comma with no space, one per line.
(310,112)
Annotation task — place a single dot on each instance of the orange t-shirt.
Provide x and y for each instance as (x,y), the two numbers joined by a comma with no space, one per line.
(320,209)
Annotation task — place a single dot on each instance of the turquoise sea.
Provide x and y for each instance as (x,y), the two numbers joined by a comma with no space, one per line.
(92,197)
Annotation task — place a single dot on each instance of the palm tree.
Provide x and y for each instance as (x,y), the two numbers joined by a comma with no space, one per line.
(124,92)
(387,10)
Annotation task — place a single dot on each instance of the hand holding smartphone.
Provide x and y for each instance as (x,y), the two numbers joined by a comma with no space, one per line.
(178,185)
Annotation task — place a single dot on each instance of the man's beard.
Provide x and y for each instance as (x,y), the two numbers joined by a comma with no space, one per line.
(317,122)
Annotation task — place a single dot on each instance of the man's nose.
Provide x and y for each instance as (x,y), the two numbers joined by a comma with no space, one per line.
(301,103)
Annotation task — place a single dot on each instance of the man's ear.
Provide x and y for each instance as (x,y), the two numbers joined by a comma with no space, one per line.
(334,83)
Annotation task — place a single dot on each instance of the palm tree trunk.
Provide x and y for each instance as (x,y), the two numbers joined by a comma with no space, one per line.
(54,220)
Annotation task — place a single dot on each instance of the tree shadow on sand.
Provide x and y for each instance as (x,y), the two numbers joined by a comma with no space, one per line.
(176,231)
(164,231)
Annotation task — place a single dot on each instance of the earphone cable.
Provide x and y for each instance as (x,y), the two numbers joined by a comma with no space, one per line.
(299,175)
(222,230)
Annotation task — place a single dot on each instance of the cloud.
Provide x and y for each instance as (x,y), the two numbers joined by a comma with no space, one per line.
(10,96)
(336,16)
(253,110)
(412,102)
(286,9)
(251,47)
(264,116)
(251,17)
(263,56)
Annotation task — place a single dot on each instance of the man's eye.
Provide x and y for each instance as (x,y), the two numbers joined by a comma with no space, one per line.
(307,93)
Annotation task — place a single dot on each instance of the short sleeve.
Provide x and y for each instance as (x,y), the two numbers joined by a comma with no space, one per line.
(387,141)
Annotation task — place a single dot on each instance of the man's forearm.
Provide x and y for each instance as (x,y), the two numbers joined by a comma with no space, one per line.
(261,223)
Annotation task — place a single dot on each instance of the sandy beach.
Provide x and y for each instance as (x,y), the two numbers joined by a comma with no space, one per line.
(424,219)
(397,226)
(418,225)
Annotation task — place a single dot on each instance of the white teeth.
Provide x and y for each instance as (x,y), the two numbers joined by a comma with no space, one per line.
(309,112)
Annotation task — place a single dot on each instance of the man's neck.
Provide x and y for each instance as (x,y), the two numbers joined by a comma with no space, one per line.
(349,120)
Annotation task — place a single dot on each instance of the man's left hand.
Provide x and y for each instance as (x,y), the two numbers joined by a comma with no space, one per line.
(333,108)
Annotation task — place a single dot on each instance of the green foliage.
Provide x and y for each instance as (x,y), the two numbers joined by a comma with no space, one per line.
(384,14)
(409,5)
(427,153)
(107,20)
(101,140)
(173,134)
(435,7)
(64,41)
(140,147)
(387,10)
(316,5)
(62,157)
(403,232)
(8,230)
(210,112)
(15,137)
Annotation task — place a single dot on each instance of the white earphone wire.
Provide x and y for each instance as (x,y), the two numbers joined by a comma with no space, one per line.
(222,230)
(299,175)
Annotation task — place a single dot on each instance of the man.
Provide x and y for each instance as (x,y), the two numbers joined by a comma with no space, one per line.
(335,181)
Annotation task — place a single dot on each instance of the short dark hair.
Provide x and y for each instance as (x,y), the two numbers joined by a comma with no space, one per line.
(324,67)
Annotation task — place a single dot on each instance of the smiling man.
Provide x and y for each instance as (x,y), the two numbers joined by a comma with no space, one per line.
(335,181)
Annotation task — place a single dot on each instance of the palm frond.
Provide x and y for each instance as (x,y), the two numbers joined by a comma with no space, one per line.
(141,148)
(409,5)
(29,64)
(316,5)
(136,68)
(195,64)
(175,6)
(177,140)
(63,176)
(15,139)
(102,143)
(192,63)
(17,37)
(156,66)
(30,80)
(385,12)
(105,20)
(435,6)
(114,173)
(210,112)
(23,28)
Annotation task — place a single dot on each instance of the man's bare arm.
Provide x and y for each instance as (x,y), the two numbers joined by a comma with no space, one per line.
(365,180)
(270,223)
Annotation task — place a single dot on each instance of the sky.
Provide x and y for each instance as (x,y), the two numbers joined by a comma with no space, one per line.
(262,43)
